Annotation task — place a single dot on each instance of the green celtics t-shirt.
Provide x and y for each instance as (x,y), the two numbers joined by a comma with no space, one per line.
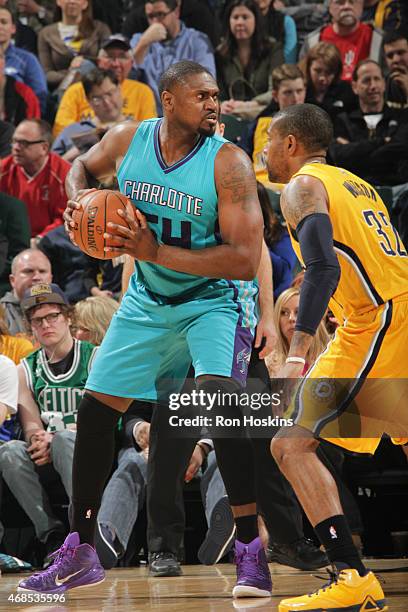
(58,396)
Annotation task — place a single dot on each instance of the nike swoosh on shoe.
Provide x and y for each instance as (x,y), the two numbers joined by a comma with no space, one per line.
(61,581)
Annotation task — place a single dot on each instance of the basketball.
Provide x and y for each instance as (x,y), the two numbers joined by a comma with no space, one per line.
(98,209)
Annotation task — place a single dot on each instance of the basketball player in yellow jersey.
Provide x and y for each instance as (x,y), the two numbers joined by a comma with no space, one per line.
(353,258)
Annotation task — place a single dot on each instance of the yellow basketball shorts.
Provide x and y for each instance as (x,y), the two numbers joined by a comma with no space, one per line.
(357,389)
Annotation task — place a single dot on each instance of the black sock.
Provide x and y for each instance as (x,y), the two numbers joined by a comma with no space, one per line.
(335,535)
(93,459)
(247,528)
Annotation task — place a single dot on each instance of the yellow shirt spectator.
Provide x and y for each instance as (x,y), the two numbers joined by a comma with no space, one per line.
(15,347)
(260,140)
(138,103)
(288,87)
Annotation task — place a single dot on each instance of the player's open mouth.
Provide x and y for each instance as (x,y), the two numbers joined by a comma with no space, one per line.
(211,118)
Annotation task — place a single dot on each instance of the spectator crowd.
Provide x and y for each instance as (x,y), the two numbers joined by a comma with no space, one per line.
(69,71)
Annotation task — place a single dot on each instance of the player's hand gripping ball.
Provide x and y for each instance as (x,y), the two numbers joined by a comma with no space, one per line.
(98,209)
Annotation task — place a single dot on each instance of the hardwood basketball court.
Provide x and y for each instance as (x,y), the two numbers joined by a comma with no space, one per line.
(201,588)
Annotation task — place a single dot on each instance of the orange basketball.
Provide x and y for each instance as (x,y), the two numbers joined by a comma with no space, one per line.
(98,209)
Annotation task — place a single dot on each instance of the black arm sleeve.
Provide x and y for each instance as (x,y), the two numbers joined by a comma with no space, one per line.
(315,235)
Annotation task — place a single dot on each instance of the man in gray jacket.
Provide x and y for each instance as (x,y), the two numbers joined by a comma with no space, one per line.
(28,268)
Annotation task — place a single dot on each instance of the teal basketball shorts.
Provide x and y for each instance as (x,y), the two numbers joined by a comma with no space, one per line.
(150,343)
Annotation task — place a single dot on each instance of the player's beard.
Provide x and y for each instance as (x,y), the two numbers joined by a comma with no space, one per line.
(277,175)
(278,172)
(210,131)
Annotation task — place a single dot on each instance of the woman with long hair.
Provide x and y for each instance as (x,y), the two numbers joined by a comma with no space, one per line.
(322,67)
(92,318)
(245,59)
(281,27)
(64,46)
(286,309)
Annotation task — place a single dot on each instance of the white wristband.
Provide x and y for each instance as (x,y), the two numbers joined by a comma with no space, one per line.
(296,360)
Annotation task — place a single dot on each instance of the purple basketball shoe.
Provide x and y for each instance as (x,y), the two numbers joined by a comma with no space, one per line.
(75,565)
(253,576)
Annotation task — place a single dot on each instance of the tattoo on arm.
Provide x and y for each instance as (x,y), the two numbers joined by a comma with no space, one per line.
(91,180)
(300,343)
(239,178)
(303,199)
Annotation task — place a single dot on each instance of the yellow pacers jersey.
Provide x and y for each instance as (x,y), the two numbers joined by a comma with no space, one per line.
(372,257)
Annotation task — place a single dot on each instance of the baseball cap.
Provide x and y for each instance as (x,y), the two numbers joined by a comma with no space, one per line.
(43,293)
(117,40)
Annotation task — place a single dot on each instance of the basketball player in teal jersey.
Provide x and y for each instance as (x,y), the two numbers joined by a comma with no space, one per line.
(198,229)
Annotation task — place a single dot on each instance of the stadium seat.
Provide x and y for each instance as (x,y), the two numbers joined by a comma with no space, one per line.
(234,127)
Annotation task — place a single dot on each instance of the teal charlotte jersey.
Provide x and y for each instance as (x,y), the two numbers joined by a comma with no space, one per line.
(167,319)
(180,203)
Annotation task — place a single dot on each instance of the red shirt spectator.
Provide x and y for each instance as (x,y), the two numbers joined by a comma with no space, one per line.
(355,40)
(36,176)
(353,47)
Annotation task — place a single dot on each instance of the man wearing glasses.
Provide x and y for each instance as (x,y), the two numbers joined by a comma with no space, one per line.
(167,41)
(137,98)
(34,175)
(50,386)
(102,90)
(355,40)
